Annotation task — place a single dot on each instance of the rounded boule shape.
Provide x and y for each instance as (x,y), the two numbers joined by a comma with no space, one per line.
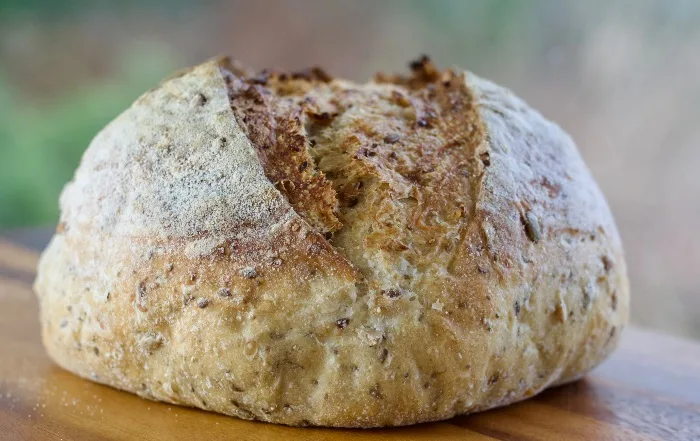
(304,250)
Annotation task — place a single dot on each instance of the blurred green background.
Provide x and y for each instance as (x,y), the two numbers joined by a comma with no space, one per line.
(623,77)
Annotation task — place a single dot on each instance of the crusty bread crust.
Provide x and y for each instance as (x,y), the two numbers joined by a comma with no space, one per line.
(308,251)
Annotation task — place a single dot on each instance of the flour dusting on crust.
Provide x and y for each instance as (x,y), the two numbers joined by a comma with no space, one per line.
(176,169)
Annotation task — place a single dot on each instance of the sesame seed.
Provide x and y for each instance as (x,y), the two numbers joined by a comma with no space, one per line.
(391,138)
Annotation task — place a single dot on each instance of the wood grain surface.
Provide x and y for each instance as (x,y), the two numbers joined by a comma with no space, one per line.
(648,390)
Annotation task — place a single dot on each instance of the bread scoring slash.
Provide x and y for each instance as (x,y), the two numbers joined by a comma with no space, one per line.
(304,250)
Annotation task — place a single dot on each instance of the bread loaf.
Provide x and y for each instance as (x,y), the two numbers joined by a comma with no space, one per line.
(303,250)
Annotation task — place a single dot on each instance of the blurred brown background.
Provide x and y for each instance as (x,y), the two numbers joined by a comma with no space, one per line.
(623,77)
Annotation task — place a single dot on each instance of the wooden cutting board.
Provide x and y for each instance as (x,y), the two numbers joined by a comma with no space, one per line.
(648,390)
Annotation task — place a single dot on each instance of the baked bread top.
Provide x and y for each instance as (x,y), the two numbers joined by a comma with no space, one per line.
(306,250)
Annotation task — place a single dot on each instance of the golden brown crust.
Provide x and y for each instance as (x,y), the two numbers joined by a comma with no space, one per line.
(275,129)
(352,255)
